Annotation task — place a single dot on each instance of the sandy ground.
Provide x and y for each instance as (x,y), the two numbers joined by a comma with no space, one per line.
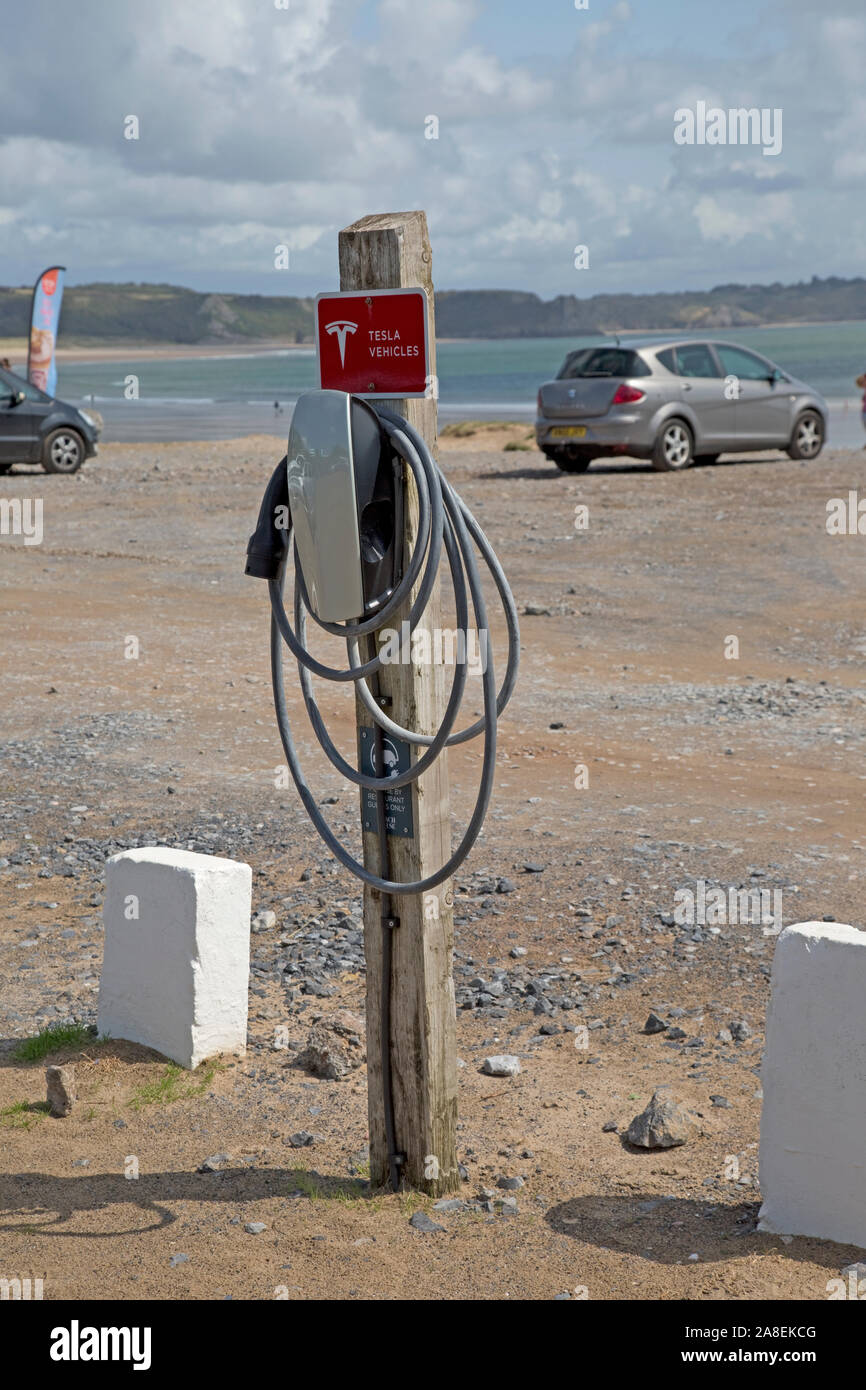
(743,771)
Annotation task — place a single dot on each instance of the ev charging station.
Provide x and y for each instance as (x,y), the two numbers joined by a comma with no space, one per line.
(359,513)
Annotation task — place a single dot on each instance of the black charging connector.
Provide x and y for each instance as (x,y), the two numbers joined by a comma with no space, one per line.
(267,544)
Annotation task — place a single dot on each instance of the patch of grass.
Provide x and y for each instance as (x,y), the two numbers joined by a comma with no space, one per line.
(50,1039)
(347,1191)
(299,1181)
(516,444)
(410,1202)
(23,1114)
(461,429)
(464,429)
(174,1083)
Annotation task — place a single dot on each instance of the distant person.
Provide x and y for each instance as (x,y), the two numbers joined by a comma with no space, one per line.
(278,409)
(4,362)
(861,382)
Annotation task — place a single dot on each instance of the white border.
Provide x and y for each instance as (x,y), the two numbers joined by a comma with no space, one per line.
(372,294)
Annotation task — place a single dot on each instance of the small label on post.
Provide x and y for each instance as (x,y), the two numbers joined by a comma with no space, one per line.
(398,802)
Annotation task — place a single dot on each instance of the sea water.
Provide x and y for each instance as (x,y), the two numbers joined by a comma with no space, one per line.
(234,393)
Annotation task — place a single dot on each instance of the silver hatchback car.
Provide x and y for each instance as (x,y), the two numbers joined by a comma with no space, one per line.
(676,403)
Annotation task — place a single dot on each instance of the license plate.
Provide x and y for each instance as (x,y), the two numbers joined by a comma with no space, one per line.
(568,432)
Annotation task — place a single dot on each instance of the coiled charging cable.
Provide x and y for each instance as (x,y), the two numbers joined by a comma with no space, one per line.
(444,519)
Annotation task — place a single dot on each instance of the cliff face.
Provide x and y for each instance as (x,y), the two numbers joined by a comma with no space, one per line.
(503,314)
(166,313)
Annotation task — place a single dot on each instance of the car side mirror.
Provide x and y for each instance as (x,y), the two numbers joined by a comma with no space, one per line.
(18,397)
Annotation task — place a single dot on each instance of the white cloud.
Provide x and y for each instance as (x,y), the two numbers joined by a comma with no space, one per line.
(261,125)
(772,217)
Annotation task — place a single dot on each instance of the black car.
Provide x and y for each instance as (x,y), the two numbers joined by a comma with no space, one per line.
(35,428)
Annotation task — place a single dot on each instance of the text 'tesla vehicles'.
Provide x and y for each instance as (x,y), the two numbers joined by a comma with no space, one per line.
(675,402)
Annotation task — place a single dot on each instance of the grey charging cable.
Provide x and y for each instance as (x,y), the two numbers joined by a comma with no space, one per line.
(444,519)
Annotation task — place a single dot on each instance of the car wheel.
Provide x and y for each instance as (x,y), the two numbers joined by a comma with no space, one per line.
(706,459)
(572,460)
(63,451)
(807,441)
(673,447)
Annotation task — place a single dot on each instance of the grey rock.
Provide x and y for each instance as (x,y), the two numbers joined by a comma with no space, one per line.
(302,1139)
(334,1047)
(609,1127)
(503,1065)
(255,1228)
(61,1092)
(664,1124)
(721,1102)
(421,1222)
(510,1184)
(740,1030)
(450,1204)
(214,1163)
(263,921)
(654,1024)
(179,1259)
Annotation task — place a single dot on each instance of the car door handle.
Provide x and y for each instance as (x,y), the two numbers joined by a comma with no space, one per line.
(686,386)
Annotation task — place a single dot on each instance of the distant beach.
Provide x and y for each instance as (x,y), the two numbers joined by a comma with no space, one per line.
(176,391)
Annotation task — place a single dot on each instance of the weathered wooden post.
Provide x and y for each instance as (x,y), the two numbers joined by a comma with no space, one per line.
(392,251)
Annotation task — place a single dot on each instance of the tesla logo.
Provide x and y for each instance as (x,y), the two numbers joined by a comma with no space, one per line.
(341,327)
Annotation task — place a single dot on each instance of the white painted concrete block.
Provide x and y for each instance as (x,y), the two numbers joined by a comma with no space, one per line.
(176,967)
(813,1124)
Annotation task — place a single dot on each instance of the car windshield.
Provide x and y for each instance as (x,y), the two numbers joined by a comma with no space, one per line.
(620,362)
(19,385)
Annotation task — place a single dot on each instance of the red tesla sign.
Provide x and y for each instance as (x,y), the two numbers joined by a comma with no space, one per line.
(373,342)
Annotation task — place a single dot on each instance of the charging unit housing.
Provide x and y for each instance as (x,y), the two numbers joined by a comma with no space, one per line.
(345,491)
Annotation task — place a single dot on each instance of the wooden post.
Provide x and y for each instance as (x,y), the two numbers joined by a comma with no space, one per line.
(392,251)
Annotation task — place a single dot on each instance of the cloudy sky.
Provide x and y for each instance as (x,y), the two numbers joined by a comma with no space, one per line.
(261,125)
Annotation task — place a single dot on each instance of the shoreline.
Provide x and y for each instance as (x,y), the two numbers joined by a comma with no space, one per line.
(17,347)
(168,351)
